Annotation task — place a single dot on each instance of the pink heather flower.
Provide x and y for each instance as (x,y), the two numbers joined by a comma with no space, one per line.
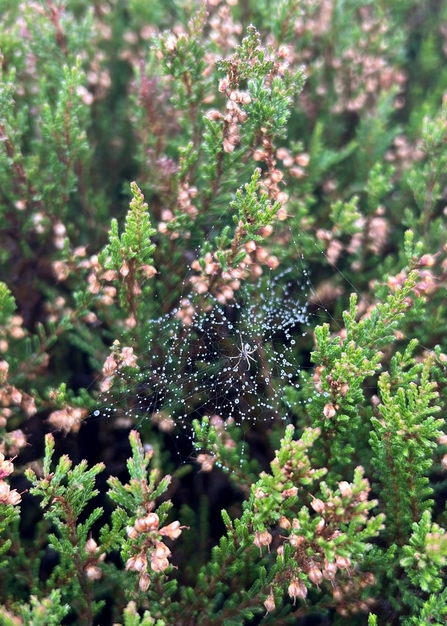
(8,496)
(173,530)
(128,358)
(297,589)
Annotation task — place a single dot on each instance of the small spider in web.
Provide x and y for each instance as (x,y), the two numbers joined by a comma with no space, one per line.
(245,352)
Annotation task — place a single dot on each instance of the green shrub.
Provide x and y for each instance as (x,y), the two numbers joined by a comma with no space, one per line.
(282,152)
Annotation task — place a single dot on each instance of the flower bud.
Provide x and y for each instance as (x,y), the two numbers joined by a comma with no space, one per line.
(263,538)
(6,468)
(132,532)
(284,522)
(130,563)
(297,589)
(159,565)
(144,581)
(91,546)
(124,269)
(296,540)
(172,530)
(269,603)
(345,489)
(140,564)
(148,523)
(288,493)
(329,571)
(93,572)
(149,270)
(329,411)
(319,527)
(315,574)
(342,562)
(276,176)
(109,366)
(318,505)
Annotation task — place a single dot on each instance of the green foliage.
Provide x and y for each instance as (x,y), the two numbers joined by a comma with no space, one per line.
(46,611)
(7,303)
(425,555)
(405,432)
(303,141)
(65,493)
(130,255)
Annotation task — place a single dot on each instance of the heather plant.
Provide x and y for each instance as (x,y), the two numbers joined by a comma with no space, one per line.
(222,312)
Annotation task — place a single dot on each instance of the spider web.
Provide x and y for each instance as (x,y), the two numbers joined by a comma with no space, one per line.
(232,361)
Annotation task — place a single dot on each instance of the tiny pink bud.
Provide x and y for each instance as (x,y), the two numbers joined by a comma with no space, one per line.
(91,546)
(6,468)
(214,115)
(319,527)
(263,538)
(140,564)
(223,85)
(288,493)
(130,563)
(4,367)
(159,565)
(161,550)
(276,176)
(109,366)
(318,505)
(149,270)
(297,589)
(296,540)
(144,581)
(269,603)
(342,562)
(132,532)
(428,260)
(172,530)
(315,575)
(14,497)
(329,411)
(345,489)
(93,572)
(124,270)
(171,42)
(329,571)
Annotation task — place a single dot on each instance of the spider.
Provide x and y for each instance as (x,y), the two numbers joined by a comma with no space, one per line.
(245,352)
